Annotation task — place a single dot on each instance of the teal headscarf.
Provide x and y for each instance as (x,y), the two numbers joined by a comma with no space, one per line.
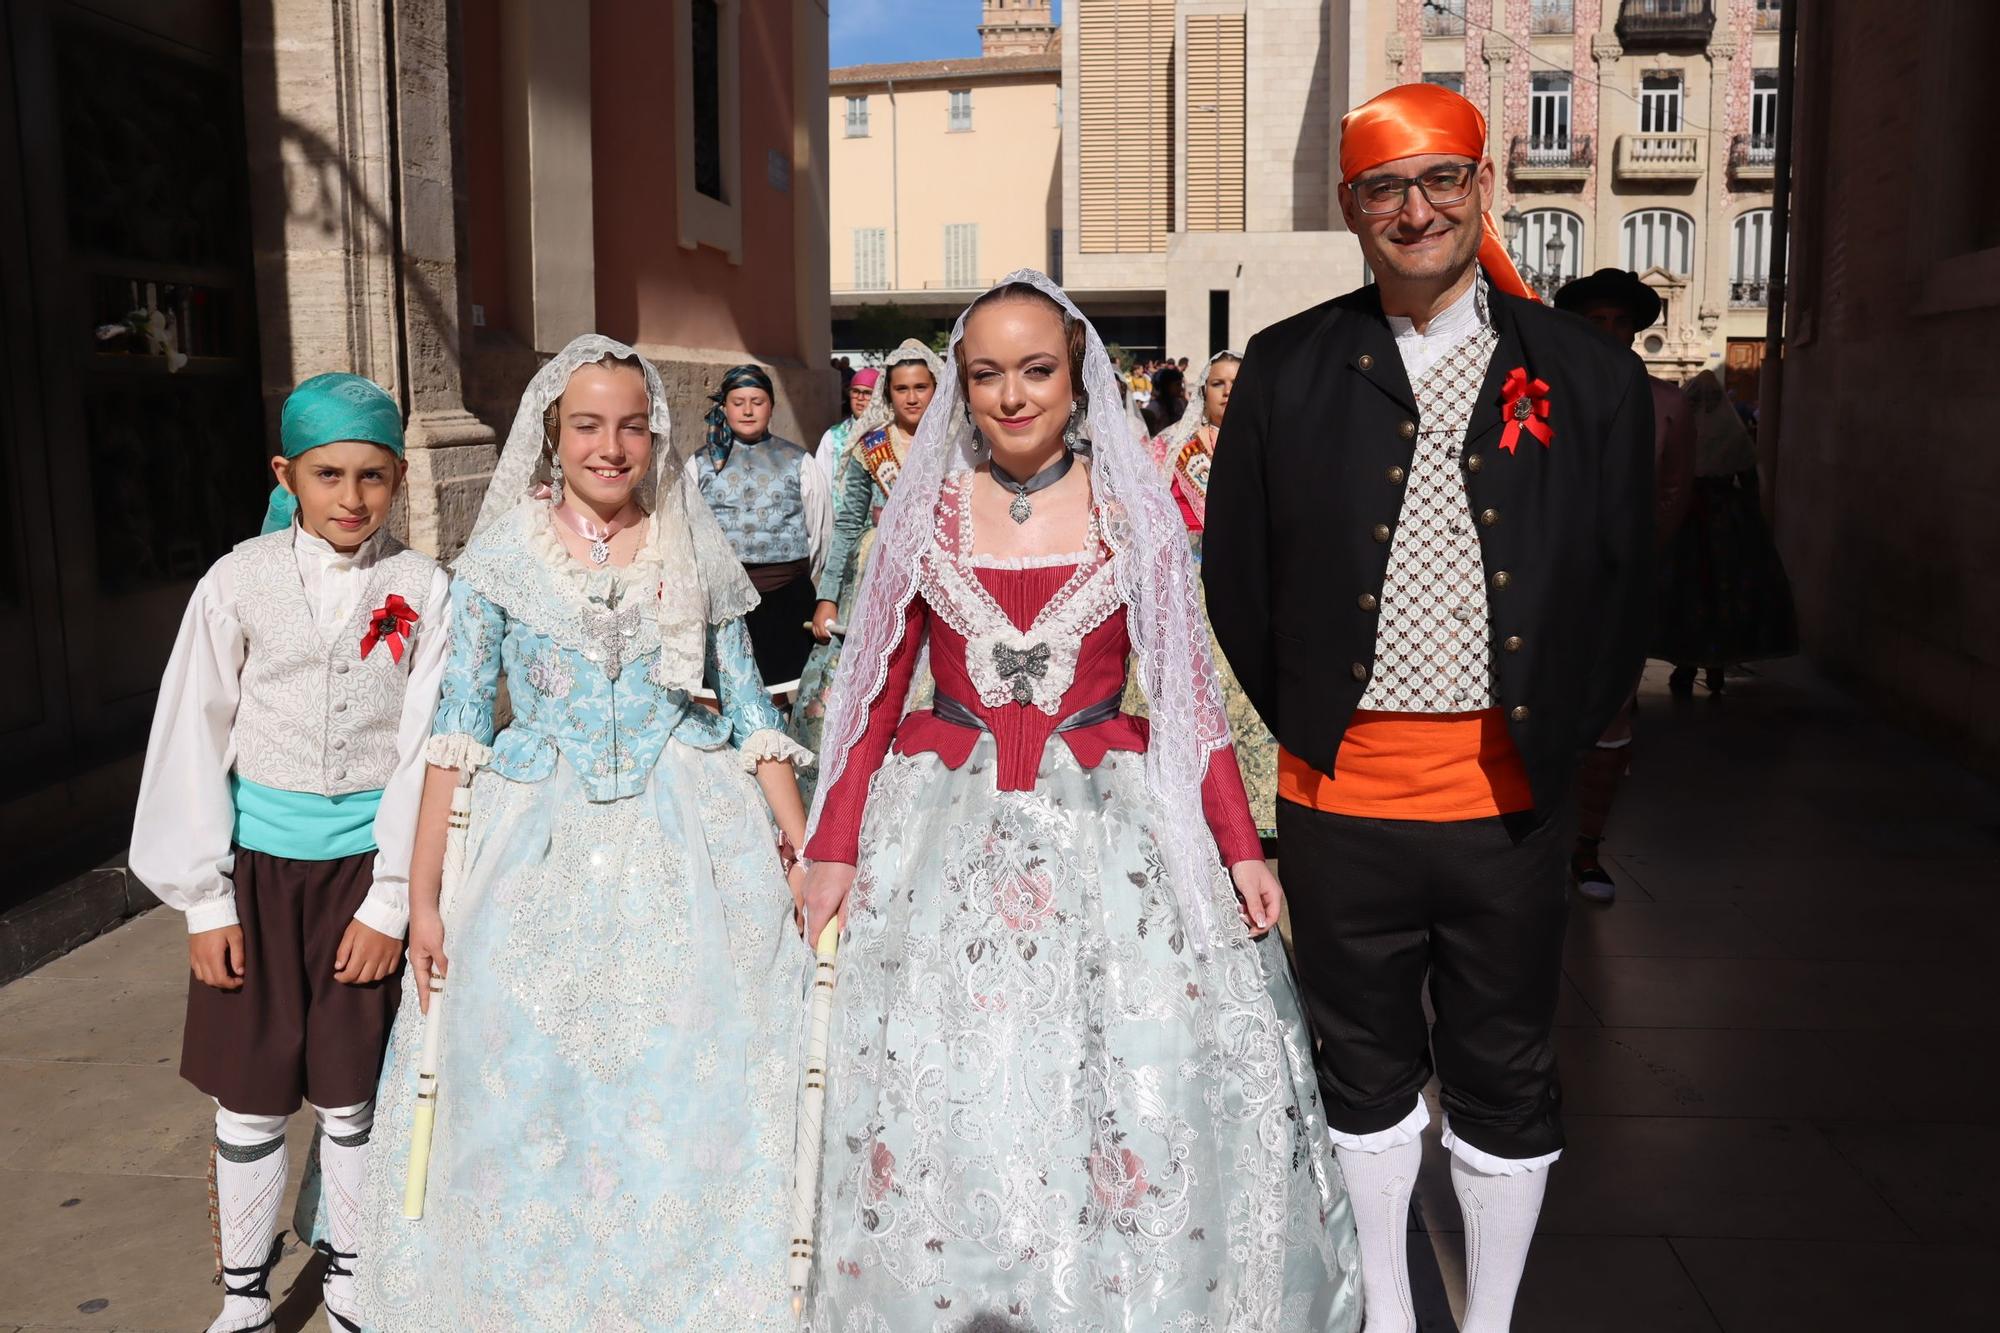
(327,409)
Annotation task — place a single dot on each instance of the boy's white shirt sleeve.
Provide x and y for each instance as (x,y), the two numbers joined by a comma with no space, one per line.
(387,906)
(183,828)
(816,496)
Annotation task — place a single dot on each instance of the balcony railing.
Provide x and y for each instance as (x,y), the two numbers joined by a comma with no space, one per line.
(1663,23)
(1753,294)
(1448,21)
(1753,156)
(1551,156)
(1550,16)
(1659,156)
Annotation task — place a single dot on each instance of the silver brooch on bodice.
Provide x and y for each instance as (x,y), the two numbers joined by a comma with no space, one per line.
(1021,667)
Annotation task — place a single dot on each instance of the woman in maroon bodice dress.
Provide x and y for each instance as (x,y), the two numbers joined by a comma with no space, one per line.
(1069,1084)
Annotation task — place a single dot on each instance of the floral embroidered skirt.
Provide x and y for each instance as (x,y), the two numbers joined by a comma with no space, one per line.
(622,1035)
(1043,1108)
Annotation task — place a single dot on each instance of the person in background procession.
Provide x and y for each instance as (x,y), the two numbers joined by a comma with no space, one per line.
(1724,597)
(277,809)
(776,507)
(1619,307)
(868,471)
(1184,452)
(833,442)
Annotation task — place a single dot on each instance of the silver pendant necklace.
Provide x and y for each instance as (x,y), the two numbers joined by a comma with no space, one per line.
(1020,509)
(599,538)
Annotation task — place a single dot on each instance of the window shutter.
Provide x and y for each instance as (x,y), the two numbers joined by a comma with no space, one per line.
(1215,122)
(1124,125)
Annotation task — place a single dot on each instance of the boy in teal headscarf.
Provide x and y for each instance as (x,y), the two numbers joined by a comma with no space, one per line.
(277,810)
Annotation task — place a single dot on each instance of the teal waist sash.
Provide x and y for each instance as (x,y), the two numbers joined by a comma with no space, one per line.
(301,826)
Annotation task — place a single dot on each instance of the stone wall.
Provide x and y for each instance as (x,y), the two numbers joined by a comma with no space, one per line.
(1884,476)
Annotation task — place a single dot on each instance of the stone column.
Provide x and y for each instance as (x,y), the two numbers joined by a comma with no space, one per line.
(323,229)
(354,227)
(451,452)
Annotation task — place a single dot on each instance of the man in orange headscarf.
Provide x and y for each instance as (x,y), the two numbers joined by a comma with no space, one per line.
(1427,555)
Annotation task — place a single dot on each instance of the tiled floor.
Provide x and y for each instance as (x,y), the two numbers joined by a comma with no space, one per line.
(1778,1053)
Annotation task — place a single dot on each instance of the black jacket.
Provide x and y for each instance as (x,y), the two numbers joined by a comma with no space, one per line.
(1307,487)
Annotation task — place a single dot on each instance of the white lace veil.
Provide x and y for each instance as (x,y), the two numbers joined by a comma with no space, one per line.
(1156,580)
(701,581)
(880,411)
(1183,430)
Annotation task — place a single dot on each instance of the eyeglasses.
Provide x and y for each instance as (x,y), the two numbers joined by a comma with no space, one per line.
(1448,184)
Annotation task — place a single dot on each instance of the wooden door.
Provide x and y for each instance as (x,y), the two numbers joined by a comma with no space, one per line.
(1744,369)
(134,199)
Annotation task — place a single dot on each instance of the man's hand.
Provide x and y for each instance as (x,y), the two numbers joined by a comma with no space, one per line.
(426,952)
(1261,898)
(365,955)
(216,957)
(823,615)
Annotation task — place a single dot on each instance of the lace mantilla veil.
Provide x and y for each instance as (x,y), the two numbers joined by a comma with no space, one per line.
(880,411)
(1183,430)
(701,581)
(1156,582)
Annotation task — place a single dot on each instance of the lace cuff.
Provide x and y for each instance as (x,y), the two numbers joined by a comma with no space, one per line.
(455,749)
(772,744)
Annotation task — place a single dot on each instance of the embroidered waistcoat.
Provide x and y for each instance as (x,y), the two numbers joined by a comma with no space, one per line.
(756,499)
(1433,650)
(316,716)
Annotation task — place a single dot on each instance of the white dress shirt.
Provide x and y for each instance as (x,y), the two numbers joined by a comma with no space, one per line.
(1447,329)
(816,498)
(183,827)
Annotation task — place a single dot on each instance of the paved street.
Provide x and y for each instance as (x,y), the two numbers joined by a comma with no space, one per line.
(1778,1052)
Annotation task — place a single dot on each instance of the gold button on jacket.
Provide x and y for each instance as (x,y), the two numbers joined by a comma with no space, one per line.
(1408,430)
(1520,713)
(1381,532)
(1395,475)
(1489,516)
(1502,579)
(1367,601)
(1513,643)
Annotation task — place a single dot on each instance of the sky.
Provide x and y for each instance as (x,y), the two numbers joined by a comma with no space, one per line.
(867,32)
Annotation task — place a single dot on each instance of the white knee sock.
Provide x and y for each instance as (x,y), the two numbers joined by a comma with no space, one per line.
(1500,1213)
(249,1194)
(1379,1185)
(343,1165)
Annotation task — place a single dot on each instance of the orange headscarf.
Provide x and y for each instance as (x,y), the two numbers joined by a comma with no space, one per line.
(1414,119)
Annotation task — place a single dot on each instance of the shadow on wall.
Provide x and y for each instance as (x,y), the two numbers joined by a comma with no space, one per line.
(1312,145)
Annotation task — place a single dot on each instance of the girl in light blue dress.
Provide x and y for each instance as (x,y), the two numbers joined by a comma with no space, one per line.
(622,1027)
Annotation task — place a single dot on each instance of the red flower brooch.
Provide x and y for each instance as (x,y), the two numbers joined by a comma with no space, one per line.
(1524,405)
(390,623)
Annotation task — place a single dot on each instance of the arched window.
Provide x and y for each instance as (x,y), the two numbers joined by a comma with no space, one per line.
(1551,244)
(1750,258)
(1662,237)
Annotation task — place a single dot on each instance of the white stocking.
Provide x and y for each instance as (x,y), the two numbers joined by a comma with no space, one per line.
(249,1194)
(1500,1213)
(1379,1185)
(343,1164)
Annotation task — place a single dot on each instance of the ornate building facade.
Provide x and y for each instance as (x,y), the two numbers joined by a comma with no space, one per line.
(1634,134)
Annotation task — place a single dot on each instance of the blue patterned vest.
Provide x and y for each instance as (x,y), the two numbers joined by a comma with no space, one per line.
(756,499)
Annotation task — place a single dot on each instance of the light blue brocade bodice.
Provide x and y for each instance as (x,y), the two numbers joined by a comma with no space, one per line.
(593,699)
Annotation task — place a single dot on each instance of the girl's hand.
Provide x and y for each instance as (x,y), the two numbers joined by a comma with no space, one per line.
(827,886)
(426,953)
(1259,894)
(216,957)
(823,615)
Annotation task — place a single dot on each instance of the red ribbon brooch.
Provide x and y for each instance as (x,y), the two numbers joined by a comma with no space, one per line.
(1524,405)
(390,623)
